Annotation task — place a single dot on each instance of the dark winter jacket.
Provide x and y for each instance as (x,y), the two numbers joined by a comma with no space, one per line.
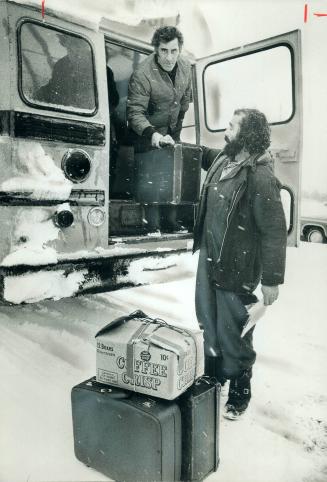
(242,223)
(153,100)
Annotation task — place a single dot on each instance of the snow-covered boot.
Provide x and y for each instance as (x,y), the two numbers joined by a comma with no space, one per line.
(239,396)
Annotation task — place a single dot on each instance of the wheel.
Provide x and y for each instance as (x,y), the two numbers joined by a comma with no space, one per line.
(315,235)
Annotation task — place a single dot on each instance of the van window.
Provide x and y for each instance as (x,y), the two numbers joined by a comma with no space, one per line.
(122,61)
(261,80)
(188,133)
(56,70)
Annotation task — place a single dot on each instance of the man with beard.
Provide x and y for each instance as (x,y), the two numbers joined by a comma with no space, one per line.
(241,233)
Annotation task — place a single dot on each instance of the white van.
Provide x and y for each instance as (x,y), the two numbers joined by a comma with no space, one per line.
(70,206)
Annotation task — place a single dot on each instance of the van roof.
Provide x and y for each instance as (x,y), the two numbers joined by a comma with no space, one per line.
(121,19)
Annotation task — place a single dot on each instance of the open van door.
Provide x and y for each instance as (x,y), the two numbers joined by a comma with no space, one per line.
(265,75)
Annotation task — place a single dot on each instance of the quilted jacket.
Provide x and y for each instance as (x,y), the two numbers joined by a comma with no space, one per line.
(153,100)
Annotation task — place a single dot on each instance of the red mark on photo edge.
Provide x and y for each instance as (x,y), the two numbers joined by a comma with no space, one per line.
(305,13)
(320,14)
(43,8)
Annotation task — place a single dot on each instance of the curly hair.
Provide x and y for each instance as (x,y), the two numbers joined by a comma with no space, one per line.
(165,35)
(254,130)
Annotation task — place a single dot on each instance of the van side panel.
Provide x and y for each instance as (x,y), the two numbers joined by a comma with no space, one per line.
(5,106)
(32,160)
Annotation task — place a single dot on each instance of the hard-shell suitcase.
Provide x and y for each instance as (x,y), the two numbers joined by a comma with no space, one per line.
(125,435)
(200,429)
(122,173)
(169,175)
(126,217)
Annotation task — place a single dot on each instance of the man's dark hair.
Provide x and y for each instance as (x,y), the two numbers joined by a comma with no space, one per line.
(254,132)
(165,35)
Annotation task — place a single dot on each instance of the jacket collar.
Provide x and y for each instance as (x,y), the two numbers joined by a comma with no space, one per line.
(233,167)
(244,159)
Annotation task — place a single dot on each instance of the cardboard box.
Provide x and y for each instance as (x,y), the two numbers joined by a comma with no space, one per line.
(149,356)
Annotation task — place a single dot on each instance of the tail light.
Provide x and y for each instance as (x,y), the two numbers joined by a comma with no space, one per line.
(63,217)
(76,165)
(96,216)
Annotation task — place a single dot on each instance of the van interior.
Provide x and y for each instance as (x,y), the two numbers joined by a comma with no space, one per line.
(152,193)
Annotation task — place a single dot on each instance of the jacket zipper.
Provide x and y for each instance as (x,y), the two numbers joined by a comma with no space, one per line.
(227,223)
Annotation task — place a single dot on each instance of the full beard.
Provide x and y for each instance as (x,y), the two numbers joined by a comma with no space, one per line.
(232,148)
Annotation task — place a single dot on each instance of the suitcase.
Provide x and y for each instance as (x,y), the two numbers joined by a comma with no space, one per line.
(168,175)
(125,435)
(122,173)
(126,218)
(200,429)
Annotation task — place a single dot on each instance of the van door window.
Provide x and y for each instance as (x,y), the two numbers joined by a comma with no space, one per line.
(262,80)
(122,61)
(56,70)
(188,133)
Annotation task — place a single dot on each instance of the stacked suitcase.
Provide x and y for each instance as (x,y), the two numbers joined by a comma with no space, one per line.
(155,189)
(130,436)
(168,175)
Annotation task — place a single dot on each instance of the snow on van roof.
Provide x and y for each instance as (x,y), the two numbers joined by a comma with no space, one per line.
(128,12)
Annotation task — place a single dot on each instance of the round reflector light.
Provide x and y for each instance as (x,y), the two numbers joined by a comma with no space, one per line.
(96,217)
(63,218)
(76,165)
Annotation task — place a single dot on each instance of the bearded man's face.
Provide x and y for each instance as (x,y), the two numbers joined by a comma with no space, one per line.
(232,136)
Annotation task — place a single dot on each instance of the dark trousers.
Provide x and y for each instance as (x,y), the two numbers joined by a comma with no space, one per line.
(222,315)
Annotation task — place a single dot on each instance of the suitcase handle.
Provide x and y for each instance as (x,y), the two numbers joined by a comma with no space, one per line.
(207,379)
(121,321)
(115,393)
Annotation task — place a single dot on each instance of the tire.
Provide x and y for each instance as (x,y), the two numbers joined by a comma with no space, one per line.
(315,235)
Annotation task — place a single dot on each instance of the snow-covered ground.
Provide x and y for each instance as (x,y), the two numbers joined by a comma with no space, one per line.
(47,348)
